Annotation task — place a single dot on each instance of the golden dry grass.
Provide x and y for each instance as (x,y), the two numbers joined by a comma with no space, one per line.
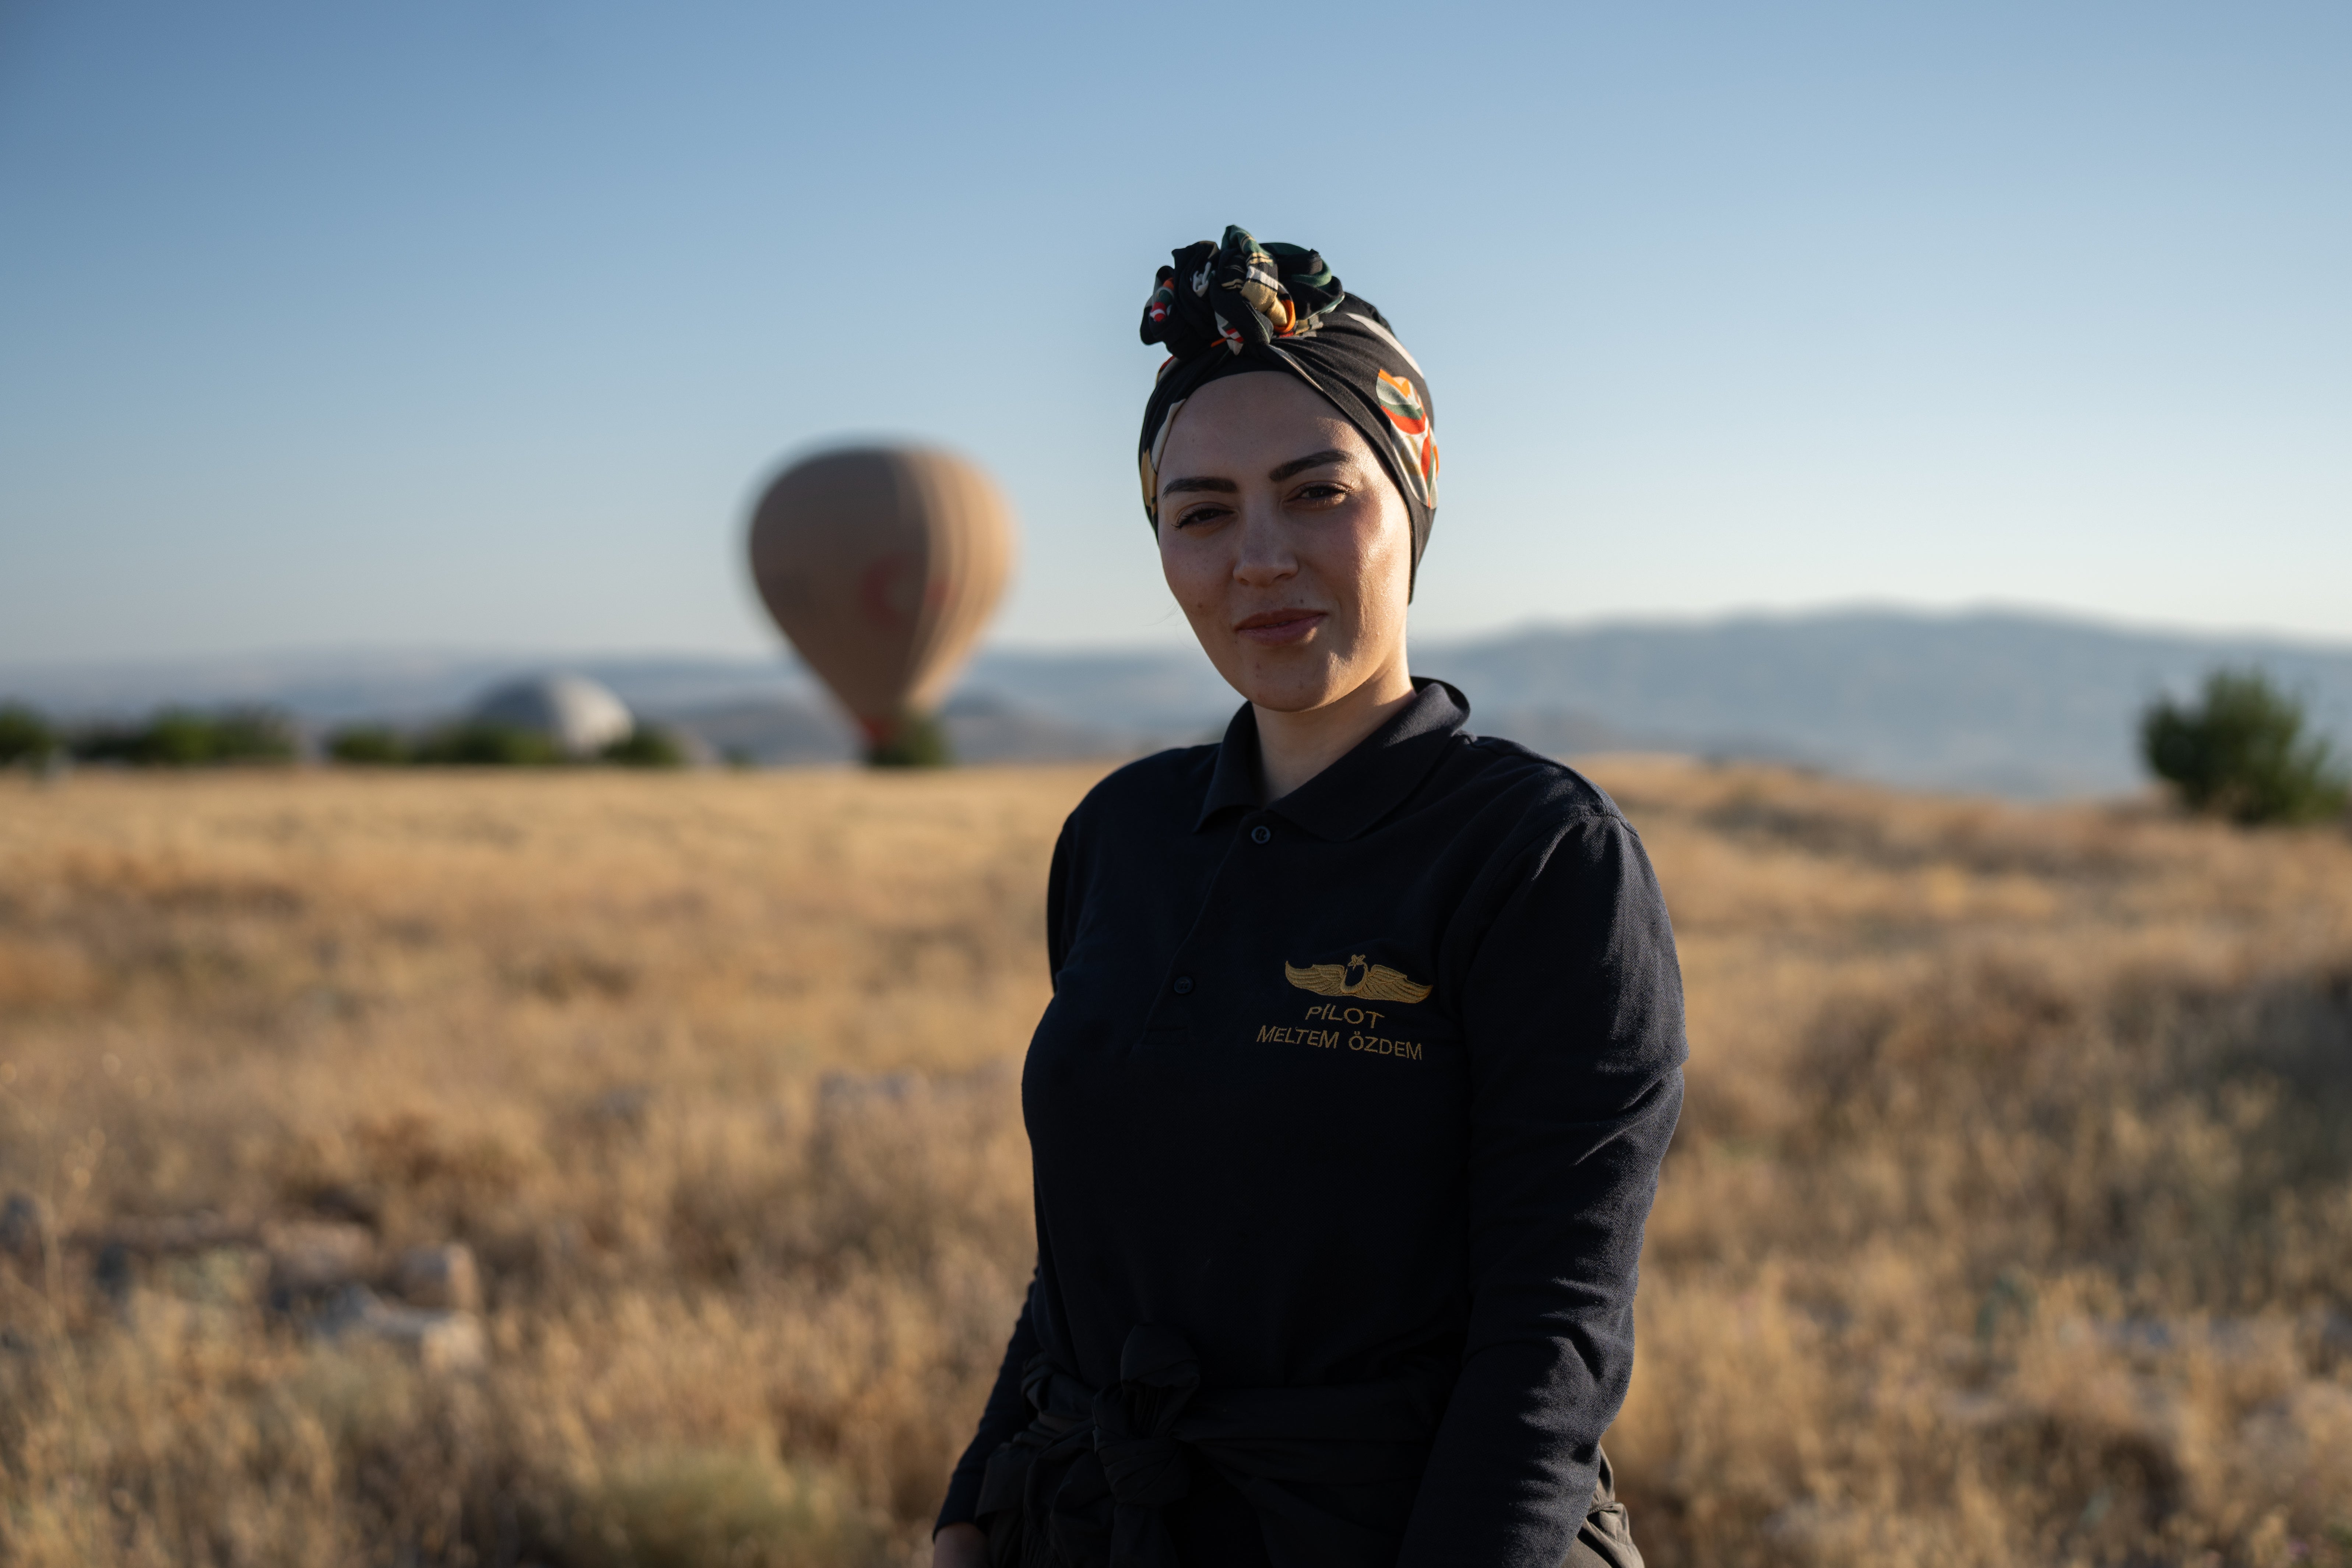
(2010,1221)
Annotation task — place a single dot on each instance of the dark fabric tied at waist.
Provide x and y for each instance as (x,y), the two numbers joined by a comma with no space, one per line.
(1084,1485)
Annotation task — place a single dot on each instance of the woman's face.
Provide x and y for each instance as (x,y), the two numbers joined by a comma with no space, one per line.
(1284,541)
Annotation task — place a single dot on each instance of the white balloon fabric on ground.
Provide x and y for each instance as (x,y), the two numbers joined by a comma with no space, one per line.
(578,714)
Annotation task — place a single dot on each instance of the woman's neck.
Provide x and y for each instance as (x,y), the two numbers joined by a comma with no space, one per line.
(1294,747)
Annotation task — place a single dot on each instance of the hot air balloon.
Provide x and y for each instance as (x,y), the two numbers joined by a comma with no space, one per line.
(881,563)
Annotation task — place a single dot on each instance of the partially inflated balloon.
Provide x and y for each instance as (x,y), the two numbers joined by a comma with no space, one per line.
(881,563)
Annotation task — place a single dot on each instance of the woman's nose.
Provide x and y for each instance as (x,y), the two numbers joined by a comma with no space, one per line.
(1264,554)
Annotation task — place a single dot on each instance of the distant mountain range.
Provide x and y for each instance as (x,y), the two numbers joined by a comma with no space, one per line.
(2016,705)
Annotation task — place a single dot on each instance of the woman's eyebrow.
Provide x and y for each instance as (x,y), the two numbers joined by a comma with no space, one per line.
(1312,461)
(1227,486)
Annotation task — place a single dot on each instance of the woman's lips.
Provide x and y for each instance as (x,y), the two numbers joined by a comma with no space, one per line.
(1279,628)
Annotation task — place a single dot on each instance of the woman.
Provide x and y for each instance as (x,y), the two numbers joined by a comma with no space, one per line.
(1365,1043)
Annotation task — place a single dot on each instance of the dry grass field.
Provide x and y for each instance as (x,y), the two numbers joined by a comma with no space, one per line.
(2010,1220)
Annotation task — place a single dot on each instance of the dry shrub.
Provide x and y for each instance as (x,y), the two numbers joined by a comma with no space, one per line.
(2010,1220)
(2024,1236)
(691,1506)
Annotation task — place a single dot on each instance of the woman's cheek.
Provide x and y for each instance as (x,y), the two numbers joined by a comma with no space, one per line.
(1178,570)
(1197,586)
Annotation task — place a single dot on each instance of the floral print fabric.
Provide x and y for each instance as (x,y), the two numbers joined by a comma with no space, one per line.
(1240,304)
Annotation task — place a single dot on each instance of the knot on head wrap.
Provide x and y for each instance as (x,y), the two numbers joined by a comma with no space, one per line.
(1241,293)
(1240,305)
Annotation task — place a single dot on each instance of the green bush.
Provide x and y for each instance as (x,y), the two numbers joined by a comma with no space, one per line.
(646,747)
(478,742)
(915,741)
(2243,753)
(25,735)
(251,735)
(179,737)
(170,740)
(373,745)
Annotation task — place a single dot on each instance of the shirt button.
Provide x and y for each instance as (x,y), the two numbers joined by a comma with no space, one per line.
(1261,833)
(1183,985)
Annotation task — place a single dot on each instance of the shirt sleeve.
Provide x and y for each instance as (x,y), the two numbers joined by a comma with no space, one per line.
(1062,900)
(1006,1413)
(1574,1025)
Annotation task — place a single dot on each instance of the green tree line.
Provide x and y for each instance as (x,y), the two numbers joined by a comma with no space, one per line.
(180,737)
(477,742)
(173,737)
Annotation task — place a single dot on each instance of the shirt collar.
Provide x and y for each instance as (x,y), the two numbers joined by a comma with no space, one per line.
(1357,790)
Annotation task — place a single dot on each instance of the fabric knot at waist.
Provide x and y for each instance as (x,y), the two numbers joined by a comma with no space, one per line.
(1084,1485)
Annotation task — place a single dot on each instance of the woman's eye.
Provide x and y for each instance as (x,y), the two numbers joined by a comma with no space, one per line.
(1199,515)
(1321,492)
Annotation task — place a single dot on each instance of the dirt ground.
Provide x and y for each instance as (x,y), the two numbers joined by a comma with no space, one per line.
(2010,1221)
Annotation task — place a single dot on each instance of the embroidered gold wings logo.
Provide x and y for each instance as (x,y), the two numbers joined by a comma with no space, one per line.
(1373,982)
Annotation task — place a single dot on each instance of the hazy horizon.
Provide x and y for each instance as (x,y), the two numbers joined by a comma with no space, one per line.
(998,644)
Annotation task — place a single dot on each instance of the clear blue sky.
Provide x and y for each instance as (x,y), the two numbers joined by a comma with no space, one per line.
(477,324)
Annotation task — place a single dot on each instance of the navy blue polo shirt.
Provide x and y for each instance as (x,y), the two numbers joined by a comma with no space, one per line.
(1377,1074)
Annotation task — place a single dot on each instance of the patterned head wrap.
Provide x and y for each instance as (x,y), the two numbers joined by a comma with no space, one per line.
(1240,306)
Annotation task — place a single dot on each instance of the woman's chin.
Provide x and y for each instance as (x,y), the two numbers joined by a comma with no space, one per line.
(1288,685)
